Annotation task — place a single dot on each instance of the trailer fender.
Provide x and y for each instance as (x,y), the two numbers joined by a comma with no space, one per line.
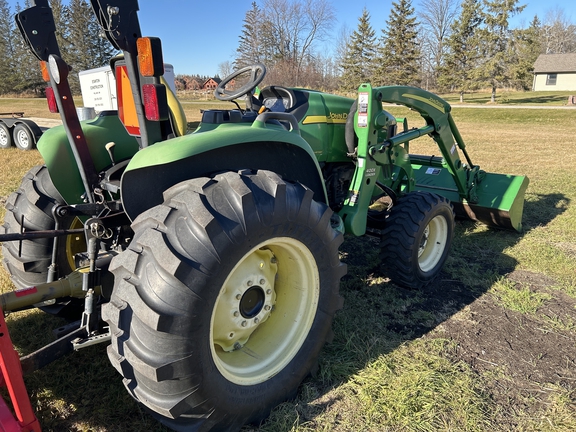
(32,128)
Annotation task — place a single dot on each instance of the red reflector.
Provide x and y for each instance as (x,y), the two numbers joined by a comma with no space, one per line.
(150,97)
(25,291)
(52,105)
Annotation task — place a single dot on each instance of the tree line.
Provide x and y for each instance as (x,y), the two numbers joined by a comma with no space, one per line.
(78,35)
(439,45)
(442,45)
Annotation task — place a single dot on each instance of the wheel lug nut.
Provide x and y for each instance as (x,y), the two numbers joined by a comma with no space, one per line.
(244,324)
(267,307)
(256,320)
(262,281)
(268,291)
(236,313)
(238,296)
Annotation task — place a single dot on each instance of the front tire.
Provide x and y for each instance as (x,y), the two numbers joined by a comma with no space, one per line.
(224,299)
(416,239)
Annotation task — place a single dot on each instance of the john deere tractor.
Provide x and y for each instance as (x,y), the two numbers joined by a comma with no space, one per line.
(213,255)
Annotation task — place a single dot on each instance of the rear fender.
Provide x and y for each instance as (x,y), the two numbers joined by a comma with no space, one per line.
(228,147)
(57,153)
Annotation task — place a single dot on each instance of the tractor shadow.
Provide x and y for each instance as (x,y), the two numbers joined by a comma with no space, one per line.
(378,316)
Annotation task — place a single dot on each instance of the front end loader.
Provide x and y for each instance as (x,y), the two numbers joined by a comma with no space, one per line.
(209,260)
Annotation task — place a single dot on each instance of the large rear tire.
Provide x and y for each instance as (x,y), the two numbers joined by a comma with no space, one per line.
(224,299)
(30,209)
(416,239)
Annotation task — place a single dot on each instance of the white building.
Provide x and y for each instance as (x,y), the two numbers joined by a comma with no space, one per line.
(555,72)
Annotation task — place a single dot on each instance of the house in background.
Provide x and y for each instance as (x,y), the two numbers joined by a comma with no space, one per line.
(555,72)
(211,83)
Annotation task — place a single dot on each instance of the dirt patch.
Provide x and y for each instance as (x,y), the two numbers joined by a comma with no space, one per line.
(525,354)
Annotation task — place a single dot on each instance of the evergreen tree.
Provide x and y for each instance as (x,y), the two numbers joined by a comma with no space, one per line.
(526,46)
(25,65)
(87,49)
(7,49)
(60,14)
(457,73)
(358,62)
(398,58)
(495,40)
(249,49)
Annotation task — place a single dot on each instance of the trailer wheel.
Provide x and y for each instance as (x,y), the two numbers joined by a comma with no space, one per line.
(5,137)
(23,137)
(224,299)
(416,239)
(30,209)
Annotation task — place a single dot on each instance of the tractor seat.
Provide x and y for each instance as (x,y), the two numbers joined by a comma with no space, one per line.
(277,99)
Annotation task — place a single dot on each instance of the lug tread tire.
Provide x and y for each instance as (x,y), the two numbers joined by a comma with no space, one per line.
(33,202)
(165,287)
(402,232)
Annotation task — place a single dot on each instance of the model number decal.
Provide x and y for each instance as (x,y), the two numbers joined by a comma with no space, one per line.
(433,171)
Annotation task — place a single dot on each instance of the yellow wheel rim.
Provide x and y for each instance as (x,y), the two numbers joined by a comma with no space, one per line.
(264,311)
(75,243)
(433,243)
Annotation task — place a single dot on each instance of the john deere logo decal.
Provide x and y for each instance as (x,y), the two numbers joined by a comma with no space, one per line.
(332,118)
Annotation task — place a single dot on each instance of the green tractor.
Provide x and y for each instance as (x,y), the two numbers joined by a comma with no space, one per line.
(210,260)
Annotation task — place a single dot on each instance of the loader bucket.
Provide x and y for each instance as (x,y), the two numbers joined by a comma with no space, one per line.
(500,201)
(500,197)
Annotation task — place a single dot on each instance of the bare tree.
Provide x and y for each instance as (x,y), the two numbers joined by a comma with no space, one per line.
(224,69)
(558,33)
(436,18)
(293,28)
(341,44)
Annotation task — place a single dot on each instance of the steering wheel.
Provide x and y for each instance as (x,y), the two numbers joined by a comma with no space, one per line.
(257,72)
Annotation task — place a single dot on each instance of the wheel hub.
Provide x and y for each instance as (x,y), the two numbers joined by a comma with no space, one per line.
(252,302)
(264,310)
(246,300)
(424,240)
(23,139)
(3,137)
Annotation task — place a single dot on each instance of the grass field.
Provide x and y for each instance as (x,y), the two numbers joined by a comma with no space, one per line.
(490,347)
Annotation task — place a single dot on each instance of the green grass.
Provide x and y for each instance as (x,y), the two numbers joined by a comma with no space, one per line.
(390,366)
(520,299)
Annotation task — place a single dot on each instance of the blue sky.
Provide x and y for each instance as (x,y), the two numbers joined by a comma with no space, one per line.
(197,39)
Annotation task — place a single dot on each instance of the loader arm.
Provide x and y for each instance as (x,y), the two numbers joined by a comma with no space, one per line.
(382,158)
